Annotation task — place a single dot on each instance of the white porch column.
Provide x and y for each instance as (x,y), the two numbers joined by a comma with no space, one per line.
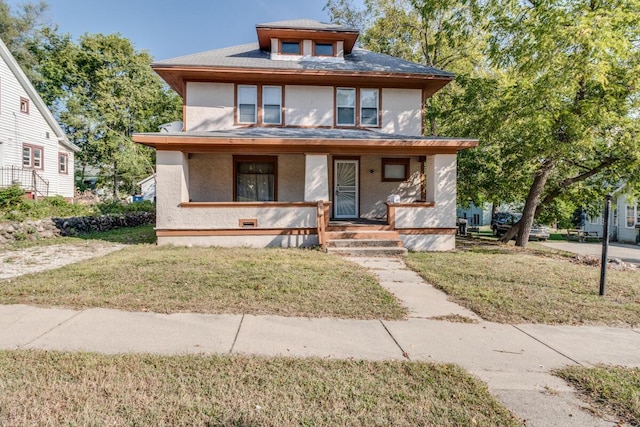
(172,186)
(441,176)
(316,177)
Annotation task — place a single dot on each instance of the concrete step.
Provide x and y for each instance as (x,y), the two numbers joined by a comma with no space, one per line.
(364,234)
(368,251)
(360,243)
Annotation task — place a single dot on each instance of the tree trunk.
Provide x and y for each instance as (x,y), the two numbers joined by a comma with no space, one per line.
(523,227)
(115,180)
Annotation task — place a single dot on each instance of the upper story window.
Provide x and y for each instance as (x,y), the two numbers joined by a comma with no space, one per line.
(346,107)
(32,156)
(272,105)
(369,107)
(63,163)
(247,104)
(323,49)
(24,105)
(290,48)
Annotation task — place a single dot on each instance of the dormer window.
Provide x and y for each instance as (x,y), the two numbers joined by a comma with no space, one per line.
(323,49)
(290,48)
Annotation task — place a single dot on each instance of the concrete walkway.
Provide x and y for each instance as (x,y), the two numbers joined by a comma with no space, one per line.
(514,360)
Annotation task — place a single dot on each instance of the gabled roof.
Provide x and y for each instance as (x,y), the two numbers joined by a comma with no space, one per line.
(35,98)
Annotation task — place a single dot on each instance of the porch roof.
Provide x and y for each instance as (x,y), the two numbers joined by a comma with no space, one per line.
(303,140)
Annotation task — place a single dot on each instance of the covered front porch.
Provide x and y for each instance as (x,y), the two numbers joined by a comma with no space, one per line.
(289,187)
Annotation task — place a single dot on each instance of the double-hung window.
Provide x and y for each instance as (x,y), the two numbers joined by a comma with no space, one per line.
(32,156)
(63,163)
(346,106)
(369,107)
(255,178)
(631,216)
(247,104)
(272,105)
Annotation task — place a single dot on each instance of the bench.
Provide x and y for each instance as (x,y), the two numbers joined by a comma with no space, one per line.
(582,235)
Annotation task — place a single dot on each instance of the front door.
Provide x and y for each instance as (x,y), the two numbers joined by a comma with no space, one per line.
(345,189)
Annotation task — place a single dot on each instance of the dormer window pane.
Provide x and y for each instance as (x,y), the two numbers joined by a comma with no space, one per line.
(291,48)
(346,105)
(369,107)
(272,105)
(324,49)
(247,104)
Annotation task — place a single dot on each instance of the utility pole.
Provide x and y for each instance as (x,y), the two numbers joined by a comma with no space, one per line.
(605,244)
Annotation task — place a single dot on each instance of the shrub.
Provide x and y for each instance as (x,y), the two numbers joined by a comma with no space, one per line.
(11,198)
(116,207)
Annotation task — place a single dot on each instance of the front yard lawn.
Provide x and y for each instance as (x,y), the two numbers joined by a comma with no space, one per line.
(287,282)
(50,388)
(614,389)
(506,284)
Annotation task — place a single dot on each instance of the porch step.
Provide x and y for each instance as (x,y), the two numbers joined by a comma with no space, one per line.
(368,251)
(363,243)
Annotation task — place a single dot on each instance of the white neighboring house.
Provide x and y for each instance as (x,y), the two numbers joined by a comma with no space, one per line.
(624,220)
(148,188)
(34,151)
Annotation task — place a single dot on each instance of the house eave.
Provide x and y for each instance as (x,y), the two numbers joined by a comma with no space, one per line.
(321,145)
(177,76)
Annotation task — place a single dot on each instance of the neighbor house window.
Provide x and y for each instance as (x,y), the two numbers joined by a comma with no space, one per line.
(631,216)
(247,104)
(323,49)
(272,105)
(395,170)
(290,48)
(255,178)
(346,106)
(24,105)
(32,156)
(63,163)
(369,107)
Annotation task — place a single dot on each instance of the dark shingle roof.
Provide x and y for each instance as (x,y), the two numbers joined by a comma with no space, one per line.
(250,56)
(306,24)
(304,133)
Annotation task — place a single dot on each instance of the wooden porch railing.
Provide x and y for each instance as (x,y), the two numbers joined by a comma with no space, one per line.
(323,222)
(27,179)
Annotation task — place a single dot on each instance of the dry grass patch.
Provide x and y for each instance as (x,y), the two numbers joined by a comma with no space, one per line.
(288,282)
(510,285)
(48,388)
(613,389)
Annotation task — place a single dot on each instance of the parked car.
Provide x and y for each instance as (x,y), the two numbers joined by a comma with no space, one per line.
(505,220)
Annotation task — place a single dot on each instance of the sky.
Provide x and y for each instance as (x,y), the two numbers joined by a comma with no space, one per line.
(170,28)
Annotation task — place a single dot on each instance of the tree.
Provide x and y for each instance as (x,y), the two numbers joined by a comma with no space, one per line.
(565,111)
(103,91)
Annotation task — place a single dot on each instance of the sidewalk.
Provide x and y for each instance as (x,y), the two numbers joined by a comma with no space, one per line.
(514,360)
(624,252)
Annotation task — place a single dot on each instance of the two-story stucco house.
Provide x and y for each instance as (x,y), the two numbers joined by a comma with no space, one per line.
(301,139)
(34,151)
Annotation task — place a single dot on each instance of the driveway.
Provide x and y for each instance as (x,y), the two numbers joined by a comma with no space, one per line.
(627,253)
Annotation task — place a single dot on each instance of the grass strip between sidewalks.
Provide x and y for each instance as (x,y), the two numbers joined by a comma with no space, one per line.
(51,388)
(613,389)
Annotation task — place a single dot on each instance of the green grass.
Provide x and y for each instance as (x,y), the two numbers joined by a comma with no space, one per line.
(50,388)
(288,282)
(506,284)
(615,390)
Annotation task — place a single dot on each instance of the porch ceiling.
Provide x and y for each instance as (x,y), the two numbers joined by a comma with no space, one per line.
(302,140)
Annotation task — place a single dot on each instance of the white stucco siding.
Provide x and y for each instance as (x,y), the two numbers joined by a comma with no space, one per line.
(18,128)
(172,182)
(402,111)
(308,105)
(205,218)
(209,106)
(441,189)
(374,192)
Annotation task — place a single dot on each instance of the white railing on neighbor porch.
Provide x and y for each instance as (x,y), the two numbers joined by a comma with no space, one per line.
(27,179)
